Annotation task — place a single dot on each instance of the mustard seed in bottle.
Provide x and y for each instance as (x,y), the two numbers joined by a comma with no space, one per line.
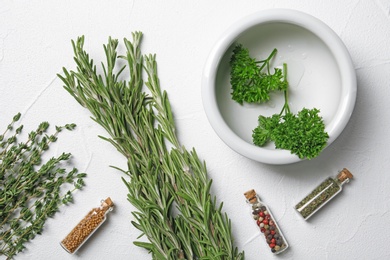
(87,226)
(322,194)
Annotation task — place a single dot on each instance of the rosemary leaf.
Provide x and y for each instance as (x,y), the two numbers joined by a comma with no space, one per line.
(168,185)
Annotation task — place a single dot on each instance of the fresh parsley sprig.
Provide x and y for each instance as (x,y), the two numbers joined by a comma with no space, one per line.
(303,134)
(251,80)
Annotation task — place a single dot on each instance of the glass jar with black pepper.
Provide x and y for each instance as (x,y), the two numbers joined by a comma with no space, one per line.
(322,194)
(266,223)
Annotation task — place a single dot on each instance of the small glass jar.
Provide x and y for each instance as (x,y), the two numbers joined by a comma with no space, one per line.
(266,222)
(322,194)
(87,226)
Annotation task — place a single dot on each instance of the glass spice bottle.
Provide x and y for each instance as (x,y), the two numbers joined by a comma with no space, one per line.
(87,226)
(266,222)
(322,194)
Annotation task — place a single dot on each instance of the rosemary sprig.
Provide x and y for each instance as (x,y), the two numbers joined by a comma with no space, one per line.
(167,184)
(30,191)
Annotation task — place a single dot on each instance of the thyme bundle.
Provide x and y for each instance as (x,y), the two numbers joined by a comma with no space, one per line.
(30,189)
(164,177)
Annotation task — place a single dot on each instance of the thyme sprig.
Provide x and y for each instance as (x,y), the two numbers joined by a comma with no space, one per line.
(167,184)
(30,190)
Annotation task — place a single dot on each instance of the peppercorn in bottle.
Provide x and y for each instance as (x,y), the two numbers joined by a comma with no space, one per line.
(322,194)
(87,226)
(266,222)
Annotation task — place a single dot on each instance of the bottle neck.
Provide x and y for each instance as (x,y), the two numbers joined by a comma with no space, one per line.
(107,205)
(341,183)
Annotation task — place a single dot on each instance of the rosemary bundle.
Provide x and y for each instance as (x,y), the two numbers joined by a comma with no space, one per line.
(167,184)
(30,189)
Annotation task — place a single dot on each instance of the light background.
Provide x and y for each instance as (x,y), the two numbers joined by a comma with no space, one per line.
(35,43)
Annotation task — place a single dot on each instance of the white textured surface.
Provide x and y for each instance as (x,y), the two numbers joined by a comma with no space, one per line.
(35,43)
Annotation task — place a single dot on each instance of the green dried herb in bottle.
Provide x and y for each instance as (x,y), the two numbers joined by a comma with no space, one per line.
(322,194)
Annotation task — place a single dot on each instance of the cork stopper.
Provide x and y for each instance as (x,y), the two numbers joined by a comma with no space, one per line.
(250,195)
(108,203)
(344,175)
